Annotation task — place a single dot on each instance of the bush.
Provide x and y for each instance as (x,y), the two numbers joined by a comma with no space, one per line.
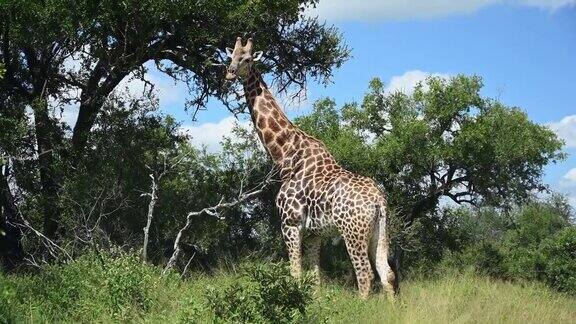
(118,286)
(513,245)
(7,298)
(483,258)
(262,293)
(558,260)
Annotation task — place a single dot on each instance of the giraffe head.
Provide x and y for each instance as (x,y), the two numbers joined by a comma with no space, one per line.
(242,59)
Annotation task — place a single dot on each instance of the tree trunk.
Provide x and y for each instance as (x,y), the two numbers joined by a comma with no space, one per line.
(48,174)
(92,99)
(11,250)
(86,118)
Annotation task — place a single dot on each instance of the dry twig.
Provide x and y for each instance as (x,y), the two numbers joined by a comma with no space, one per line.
(215,211)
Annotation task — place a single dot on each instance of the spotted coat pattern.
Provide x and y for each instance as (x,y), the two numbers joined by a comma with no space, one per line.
(317,195)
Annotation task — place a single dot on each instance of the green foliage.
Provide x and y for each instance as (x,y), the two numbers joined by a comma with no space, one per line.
(263,293)
(485,258)
(125,35)
(532,225)
(448,298)
(558,260)
(534,242)
(115,286)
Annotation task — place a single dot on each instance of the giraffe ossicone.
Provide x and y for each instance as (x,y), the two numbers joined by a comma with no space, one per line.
(317,194)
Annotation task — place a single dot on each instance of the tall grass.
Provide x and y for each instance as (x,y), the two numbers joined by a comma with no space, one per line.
(455,298)
(126,290)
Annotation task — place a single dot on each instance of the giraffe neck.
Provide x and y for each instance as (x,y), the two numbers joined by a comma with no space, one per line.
(273,127)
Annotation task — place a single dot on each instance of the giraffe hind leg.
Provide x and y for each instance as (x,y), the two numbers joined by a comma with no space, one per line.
(358,252)
(312,256)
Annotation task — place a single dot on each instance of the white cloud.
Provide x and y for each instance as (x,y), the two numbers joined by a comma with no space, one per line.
(211,134)
(570,176)
(409,80)
(547,4)
(572,201)
(567,185)
(373,10)
(566,130)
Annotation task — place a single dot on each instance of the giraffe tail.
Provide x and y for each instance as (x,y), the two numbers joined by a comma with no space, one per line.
(386,273)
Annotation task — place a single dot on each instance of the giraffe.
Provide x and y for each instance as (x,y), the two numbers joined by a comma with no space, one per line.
(317,195)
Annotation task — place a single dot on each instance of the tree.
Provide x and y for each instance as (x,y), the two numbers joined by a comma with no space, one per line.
(443,140)
(50,48)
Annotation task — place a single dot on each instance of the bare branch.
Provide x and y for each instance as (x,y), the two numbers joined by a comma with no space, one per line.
(52,247)
(187,265)
(215,211)
(151,205)
(153,194)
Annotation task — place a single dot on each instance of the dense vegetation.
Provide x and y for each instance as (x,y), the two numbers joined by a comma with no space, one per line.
(463,175)
(124,289)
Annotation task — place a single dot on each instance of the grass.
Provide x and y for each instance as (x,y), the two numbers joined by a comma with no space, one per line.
(83,291)
(457,298)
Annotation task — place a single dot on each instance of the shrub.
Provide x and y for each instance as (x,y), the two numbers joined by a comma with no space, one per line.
(521,262)
(558,260)
(118,286)
(7,298)
(128,284)
(483,258)
(534,223)
(262,293)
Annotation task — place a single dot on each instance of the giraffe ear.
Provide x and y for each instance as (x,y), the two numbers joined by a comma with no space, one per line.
(229,51)
(257,56)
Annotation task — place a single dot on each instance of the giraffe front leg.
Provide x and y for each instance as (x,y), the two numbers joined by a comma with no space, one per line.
(312,256)
(292,212)
(292,239)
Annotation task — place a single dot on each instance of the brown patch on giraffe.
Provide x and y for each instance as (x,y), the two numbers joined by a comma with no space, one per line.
(282,138)
(261,123)
(252,79)
(275,151)
(283,123)
(251,101)
(273,125)
(267,136)
(264,110)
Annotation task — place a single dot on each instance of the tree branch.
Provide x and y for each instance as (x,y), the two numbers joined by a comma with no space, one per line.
(216,211)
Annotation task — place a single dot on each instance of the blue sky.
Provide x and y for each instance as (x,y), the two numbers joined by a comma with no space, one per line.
(525,50)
